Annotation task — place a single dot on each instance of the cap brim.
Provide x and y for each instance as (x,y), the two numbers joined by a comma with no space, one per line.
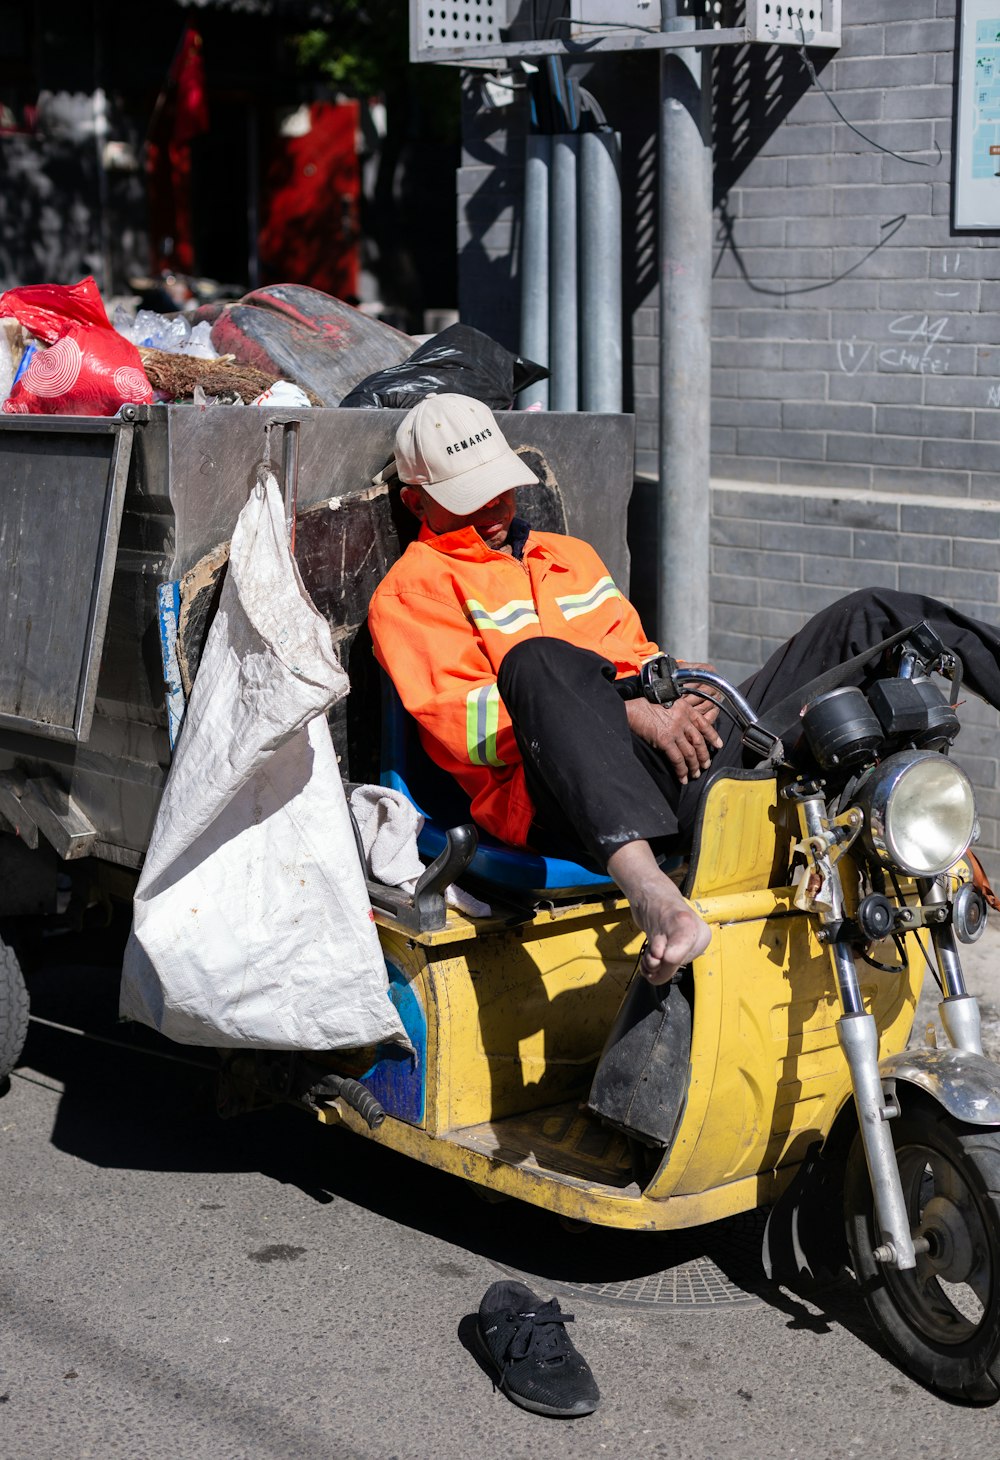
(472,489)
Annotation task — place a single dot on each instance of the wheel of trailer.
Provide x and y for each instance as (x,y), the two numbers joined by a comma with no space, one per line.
(941,1319)
(13,1011)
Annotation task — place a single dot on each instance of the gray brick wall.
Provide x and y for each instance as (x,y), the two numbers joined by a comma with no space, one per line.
(840,289)
(856,419)
(886,363)
(779,554)
(856,337)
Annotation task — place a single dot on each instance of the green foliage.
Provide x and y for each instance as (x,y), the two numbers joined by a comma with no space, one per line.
(365,52)
(356,54)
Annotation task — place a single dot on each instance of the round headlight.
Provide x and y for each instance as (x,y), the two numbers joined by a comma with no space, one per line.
(920,812)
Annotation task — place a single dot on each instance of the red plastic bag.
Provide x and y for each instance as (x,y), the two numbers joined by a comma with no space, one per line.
(45,310)
(89,371)
(89,368)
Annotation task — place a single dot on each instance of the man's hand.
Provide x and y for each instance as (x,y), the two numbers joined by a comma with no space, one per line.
(684,732)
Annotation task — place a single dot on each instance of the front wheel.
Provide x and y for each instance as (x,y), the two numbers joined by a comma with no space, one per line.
(13,1011)
(942,1318)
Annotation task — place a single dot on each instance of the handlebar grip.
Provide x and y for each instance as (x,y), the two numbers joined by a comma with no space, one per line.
(363,1101)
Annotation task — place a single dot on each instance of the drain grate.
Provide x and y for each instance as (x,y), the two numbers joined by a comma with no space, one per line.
(715,1267)
(695,1284)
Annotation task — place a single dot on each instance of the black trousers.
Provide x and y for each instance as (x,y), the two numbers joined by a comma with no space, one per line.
(597,786)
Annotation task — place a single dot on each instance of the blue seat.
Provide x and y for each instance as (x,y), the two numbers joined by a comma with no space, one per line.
(406,767)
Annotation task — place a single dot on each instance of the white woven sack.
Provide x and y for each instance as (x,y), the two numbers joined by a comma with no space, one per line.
(252,924)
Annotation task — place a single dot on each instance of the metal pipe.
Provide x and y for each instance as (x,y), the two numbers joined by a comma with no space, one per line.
(959,1010)
(685,262)
(812,820)
(600,272)
(535,265)
(949,963)
(962,1022)
(858,1035)
(291,479)
(934,894)
(847,980)
(563,314)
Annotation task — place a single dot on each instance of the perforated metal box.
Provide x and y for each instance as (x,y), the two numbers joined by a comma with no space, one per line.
(452,30)
(814,24)
(476,32)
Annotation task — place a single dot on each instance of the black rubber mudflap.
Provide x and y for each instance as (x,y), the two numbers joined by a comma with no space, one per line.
(642,1078)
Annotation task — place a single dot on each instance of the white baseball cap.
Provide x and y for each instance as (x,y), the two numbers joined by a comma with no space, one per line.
(452,446)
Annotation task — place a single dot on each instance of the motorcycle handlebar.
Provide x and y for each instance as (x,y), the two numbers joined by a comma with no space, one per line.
(663,680)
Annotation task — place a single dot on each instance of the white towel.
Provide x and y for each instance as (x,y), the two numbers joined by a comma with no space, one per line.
(389,825)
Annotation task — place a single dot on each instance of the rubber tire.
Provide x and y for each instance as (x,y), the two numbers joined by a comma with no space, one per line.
(13,1011)
(969,1370)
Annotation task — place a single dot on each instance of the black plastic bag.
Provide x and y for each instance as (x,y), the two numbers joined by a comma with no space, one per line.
(460,360)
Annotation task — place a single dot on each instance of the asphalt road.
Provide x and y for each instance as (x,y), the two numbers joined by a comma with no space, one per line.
(264,1289)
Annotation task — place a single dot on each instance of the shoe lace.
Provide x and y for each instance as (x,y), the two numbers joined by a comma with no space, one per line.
(540,1334)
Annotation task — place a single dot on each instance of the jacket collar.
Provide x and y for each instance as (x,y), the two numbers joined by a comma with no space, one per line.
(466,544)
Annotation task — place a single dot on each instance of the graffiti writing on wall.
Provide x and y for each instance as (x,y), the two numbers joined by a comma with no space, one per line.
(919,347)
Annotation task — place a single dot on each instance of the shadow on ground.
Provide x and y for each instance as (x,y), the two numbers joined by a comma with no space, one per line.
(131,1100)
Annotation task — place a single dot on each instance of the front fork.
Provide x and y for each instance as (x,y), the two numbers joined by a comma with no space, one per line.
(823,844)
(959,1009)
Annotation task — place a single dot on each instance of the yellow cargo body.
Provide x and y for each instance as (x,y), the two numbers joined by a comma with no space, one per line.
(516,1017)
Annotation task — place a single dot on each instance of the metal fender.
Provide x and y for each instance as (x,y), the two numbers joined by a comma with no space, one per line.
(966,1085)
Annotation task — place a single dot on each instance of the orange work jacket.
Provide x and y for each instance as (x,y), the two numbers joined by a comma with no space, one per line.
(442,620)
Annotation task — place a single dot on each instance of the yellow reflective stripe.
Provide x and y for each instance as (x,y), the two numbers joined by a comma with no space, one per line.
(510,618)
(482,721)
(575,604)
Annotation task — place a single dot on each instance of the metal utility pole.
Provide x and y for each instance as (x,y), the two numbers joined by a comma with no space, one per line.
(564,315)
(685,219)
(535,265)
(600,272)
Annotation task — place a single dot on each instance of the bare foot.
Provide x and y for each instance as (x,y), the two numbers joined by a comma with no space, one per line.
(675,933)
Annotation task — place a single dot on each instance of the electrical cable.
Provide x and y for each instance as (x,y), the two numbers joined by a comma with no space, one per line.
(935,974)
(496,79)
(899,967)
(930,963)
(484,98)
(593,106)
(728,241)
(600,25)
(889,151)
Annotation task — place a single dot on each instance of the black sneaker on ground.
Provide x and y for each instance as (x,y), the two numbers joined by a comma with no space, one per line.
(527,1345)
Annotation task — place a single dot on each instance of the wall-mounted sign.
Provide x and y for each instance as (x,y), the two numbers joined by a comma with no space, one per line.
(976,165)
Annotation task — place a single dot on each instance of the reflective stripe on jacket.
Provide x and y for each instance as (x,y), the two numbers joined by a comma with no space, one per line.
(442,620)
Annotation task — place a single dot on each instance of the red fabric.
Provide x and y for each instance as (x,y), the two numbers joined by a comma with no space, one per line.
(181,115)
(309,233)
(46,310)
(171,216)
(187,76)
